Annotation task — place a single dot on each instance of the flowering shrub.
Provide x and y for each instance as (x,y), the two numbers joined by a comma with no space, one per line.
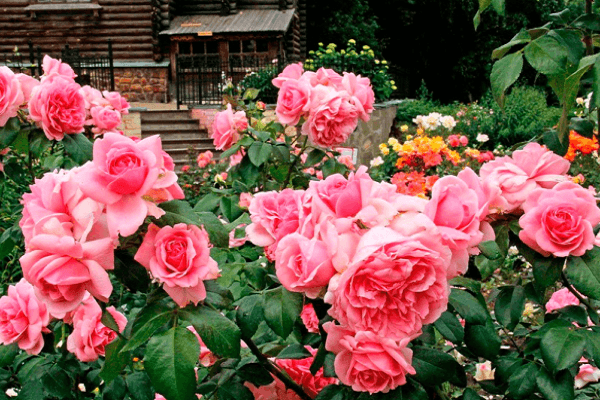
(283,283)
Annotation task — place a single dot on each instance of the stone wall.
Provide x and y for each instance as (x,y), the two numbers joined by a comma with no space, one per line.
(143,84)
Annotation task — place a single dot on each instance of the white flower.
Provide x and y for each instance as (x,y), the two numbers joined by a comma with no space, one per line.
(484,371)
(419,120)
(482,138)
(81,387)
(448,122)
(513,251)
(431,121)
(377,161)
(11,393)
(587,100)
(580,101)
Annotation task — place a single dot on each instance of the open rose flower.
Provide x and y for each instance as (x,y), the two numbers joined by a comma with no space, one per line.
(560,299)
(23,318)
(361,92)
(291,72)
(227,126)
(560,221)
(292,101)
(90,337)
(368,362)
(121,173)
(104,119)
(56,68)
(587,374)
(299,371)
(309,318)
(204,158)
(179,257)
(15,89)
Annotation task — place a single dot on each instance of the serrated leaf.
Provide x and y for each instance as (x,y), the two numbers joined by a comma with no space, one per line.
(552,141)
(490,249)
(216,230)
(109,321)
(470,394)
(522,382)
(482,340)
(584,273)
(582,126)
(114,360)
(229,207)
(561,348)
(78,147)
(588,21)
(208,202)
(250,314)
(504,73)
(140,387)
(559,387)
(547,55)
(546,270)
(294,351)
(571,40)
(170,360)
(520,38)
(259,153)
(509,306)
(147,321)
(468,306)
(218,332)
(115,390)
(282,308)
(449,326)
(314,157)
(56,382)
(8,354)
(433,366)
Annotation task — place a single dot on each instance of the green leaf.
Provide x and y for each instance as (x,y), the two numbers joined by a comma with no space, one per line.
(255,374)
(470,394)
(216,295)
(140,387)
(234,390)
(572,83)
(216,230)
(414,391)
(468,306)
(147,321)
(582,126)
(319,360)
(588,21)
(115,390)
(584,273)
(78,147)
(596,82)
(314,157)
(208,203)
(283,153)
(449,326)
(230,208)
(56,382)
(9,132)
(259,153)
(509,306)
(332,392)
(552,141)
(8,354)
(486,266)
(522,383)
(294,351)
(21,143)
(547,55)
(574,313)
(504,73)
(178,211)
(233,149)
(562,17)
(506,366)
(251,94)
(130,273)
(592,344)
(482,340)
(282,308)
(109,321)
(218,332)
(250,314)
(433,366)
(571,40)
(520,38)
(468,283)
(490,249)
(556,388)
(115,360)
(561,348)
(546,270)
(170,360)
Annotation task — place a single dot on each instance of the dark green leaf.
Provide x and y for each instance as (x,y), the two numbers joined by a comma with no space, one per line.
(588,21)
(130,273)
(486,266)
(449,326)
(109,321)
(470,394)
(115,390)
(434,367)
(547,55)
(571,40)
(596,83)
(294,351)
(332,392)
(115,360)
(283,153)
(263,136)
(9,132)
(414,391)
(208,203)
(78,147)
(574,313)
(561,348)
(8,354)
(219,333)
(217,296)
(562,17)
(319,359)
(314,157)
(216,230)
(140,387)
(522,383)
(56,382)
(509,306)
(520,38)
(468,306)
(490,249)
(250,313)
(259,153)
(504,73)
(329,366)
(552,141)
(147,321)
(234,149)
(230,208)
(505,367)
(234,391)
(468,283)
(482,340)
(584,273)
(256,374)
(592,345)
(546,271)
(170,360)
(21,143)
(582,126)
(556,388)
(282,308)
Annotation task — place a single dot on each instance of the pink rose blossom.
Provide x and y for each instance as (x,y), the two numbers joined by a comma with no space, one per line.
(361,92)
(276,390)
(324,77)
(454,140)
(93,98)
(227,126)
(587,374)
(464,140)
(56,68)
(62,270)
(104,119)
(303,265)
(528,169)
(299,371)
(179,257)
(165,188)
(293,101)
(90,337)
(58,107)
(23,318)
(117,101)
(309,318)
(394,285)
(332,118)
(204,158)
(560,299)
(121,173)
(237,242)
(236,158)
(245,200)
(291,72)
(369,362)
(185,168)
(560,221)
(15,90)
(347,161)
(261,106)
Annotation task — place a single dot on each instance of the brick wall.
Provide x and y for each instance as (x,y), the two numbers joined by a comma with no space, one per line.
(143,84)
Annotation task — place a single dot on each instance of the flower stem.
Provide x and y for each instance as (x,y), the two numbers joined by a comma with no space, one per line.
(289,175)
(269,366)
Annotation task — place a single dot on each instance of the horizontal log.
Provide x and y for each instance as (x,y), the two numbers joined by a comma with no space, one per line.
(78,32)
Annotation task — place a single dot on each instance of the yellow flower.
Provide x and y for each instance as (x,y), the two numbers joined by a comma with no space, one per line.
(320,44)
(376,61)
(365,47)
(393,82)
(394,87)
(420,131)
(328,51)
(332,45)
(408,137)
(352,41)
(397,147)
(384,149)
(392,141)
(384,62)
(342,51)
(311,52)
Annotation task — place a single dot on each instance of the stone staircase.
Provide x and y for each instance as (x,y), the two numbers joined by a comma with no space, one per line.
(180,134)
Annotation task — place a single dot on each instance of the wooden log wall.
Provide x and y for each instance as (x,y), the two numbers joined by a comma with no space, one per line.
(258,4)
(131,25)
(194,7)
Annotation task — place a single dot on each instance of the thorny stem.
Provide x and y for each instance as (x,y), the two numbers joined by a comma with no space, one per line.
(269,366)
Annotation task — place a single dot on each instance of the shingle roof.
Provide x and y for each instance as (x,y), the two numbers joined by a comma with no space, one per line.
(243,21)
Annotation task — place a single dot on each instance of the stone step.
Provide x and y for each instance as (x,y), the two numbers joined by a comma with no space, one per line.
(162,126)
(165,115)
(168,145)
(179,135)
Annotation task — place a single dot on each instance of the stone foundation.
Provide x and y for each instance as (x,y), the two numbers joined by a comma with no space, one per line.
(143,83)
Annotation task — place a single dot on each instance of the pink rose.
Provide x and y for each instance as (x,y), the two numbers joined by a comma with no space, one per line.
(204,158)
(104,119)
(560,221)
(361,92)
(276,390)
(245,200)
(58,107)
(274,215)
(324,77)
(309,318)
(227,126)
(206,357)
(117,101)
(587,374)
(237,241)
(560,299)
(292,101)
(90,337)
(394,285)
(299,371)
(464,140)
(368,362)
(56,68)
(23,318)
(165,188)
(179,257)
(12,95)
(62,270)
(291,72)
(332,118)
(121,173)
(347,161)
(303,265)
(528,169)
(93,98)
